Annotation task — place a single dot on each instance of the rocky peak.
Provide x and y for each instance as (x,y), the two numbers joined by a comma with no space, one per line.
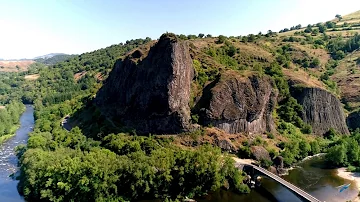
(150,91)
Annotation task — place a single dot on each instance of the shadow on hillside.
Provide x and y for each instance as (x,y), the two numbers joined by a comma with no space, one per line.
(93,123)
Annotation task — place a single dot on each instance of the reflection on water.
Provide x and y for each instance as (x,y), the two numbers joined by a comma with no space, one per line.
(321,182)
(8,160)
(310,176)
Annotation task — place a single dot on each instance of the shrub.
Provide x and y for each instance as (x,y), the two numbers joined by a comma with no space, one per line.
(221,39)
(315,63)
(265,163)
(306,129)
(244,152)
(331,134)
(270,136)
(315,147)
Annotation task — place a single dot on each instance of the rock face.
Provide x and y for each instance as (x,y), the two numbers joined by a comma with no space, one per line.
(321,110)
(237,103)
(150,91)
(260,153)
(353,120)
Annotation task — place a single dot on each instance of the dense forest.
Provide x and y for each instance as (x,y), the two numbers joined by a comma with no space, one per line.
(9,118)
(101,161)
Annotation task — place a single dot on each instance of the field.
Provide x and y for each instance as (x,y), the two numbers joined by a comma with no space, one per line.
(15,66)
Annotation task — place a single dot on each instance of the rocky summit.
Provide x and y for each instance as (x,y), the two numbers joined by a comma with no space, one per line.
(150,89)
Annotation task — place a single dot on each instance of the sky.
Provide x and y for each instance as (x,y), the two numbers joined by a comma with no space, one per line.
(34,28)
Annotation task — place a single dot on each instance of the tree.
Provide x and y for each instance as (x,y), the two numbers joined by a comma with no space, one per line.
(315,32)
(208,36)
(339,17)
(308,29)
(337,155)
(330,24)
(338,55)
(251,37)
(201,35)
(315,63)
(183,37)
(221,39)
(191,36)
(322,28)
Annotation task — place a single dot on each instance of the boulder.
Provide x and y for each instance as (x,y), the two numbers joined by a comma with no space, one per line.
(260,152)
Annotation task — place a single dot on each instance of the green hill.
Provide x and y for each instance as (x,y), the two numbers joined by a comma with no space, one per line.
(276,92)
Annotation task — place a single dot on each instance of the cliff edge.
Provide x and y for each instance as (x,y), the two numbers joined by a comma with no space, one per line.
(150,91)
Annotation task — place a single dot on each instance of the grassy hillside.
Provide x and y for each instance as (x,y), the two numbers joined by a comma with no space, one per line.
(14,65)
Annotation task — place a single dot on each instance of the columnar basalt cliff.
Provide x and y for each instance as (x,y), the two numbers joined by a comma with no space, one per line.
(321,109)
(150,92)
(238,103)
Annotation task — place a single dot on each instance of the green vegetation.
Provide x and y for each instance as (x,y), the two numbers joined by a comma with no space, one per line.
(55,59)
(345,150)
(151,167)
(9,119)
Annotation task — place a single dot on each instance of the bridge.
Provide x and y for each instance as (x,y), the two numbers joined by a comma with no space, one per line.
(253,170)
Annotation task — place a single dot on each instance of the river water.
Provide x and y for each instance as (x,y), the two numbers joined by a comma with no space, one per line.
(8,160)
(310,175)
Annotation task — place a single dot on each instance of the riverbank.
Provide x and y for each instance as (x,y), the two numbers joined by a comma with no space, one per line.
(353,176)
(8,136)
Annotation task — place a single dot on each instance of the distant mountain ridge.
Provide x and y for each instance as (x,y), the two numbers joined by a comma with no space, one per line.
(53,58)
(50,55)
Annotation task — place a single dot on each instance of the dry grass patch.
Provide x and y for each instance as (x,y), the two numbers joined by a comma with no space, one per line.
(302,77)
(15,66)
(79,75)
(32,77)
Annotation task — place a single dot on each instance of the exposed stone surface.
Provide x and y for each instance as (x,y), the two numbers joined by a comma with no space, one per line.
(279,162)
(224,144)
(321,110)
(260,152)
(237,103)
(279,165)
(150,91)
(353,120)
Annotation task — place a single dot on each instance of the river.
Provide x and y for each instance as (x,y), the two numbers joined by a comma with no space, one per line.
(8,160)
(310,175)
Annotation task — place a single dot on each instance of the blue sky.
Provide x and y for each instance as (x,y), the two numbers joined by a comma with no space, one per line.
(33,28)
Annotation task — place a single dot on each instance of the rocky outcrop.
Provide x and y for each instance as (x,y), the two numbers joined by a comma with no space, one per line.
(239,103)
(150,91)
(321,110)
(260,153)
(224,144)
(353,120)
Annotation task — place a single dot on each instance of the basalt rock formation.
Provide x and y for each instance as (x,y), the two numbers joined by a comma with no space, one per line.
(353,120)
(150,90)
(321,109)
(239,103)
